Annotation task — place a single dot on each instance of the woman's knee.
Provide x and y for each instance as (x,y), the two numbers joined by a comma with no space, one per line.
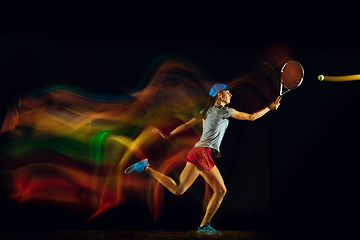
(222,191)
(179,191)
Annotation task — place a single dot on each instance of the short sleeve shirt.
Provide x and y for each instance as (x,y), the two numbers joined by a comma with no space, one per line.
(214,126)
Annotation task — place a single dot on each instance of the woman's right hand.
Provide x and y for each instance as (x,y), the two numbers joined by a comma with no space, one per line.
(275,105)
(161,133)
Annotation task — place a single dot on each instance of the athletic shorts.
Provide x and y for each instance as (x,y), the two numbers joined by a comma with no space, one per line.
(201,157)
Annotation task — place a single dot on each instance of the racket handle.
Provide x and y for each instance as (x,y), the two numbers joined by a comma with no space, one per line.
(278,99)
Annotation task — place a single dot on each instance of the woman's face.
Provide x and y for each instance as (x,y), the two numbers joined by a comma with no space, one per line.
(225,96)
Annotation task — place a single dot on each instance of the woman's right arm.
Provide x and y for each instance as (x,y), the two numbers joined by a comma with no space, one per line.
(179,129)
(253,116)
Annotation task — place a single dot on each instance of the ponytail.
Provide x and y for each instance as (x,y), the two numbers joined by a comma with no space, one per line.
(210,102)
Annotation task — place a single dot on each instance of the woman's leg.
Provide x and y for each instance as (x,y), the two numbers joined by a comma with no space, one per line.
(216,182)
(186,179)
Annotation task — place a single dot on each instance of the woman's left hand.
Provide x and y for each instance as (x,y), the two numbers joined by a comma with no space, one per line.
(158,131)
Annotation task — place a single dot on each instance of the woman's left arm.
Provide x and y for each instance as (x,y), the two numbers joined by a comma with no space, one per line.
(179,129)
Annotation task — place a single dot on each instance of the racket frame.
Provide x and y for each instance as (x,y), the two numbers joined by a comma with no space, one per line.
(282,84)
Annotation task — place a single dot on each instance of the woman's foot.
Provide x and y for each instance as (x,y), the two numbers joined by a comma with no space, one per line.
(208,229)
(138,167)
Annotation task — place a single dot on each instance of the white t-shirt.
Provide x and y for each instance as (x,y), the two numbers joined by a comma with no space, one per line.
(214,126)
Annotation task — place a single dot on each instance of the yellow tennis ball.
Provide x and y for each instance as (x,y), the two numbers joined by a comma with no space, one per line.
(321,77)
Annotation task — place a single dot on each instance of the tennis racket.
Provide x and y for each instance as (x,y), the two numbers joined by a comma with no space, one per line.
(292,75)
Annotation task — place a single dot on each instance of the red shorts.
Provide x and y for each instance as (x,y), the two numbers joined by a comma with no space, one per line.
(201,157)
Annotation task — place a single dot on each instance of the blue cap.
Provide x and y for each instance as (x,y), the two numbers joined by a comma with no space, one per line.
(218,88)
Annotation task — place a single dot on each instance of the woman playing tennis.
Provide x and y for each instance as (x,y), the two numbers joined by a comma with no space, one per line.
(200,160)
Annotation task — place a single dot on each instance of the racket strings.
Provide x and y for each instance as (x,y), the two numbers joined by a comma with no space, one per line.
(292,75)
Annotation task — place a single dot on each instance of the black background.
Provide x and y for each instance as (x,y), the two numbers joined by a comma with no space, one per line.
(293,170)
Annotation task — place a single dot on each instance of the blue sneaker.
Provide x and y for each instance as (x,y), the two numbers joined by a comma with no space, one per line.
(208,229)
(138,167)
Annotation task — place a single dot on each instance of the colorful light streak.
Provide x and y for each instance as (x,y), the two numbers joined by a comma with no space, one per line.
(68,148)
